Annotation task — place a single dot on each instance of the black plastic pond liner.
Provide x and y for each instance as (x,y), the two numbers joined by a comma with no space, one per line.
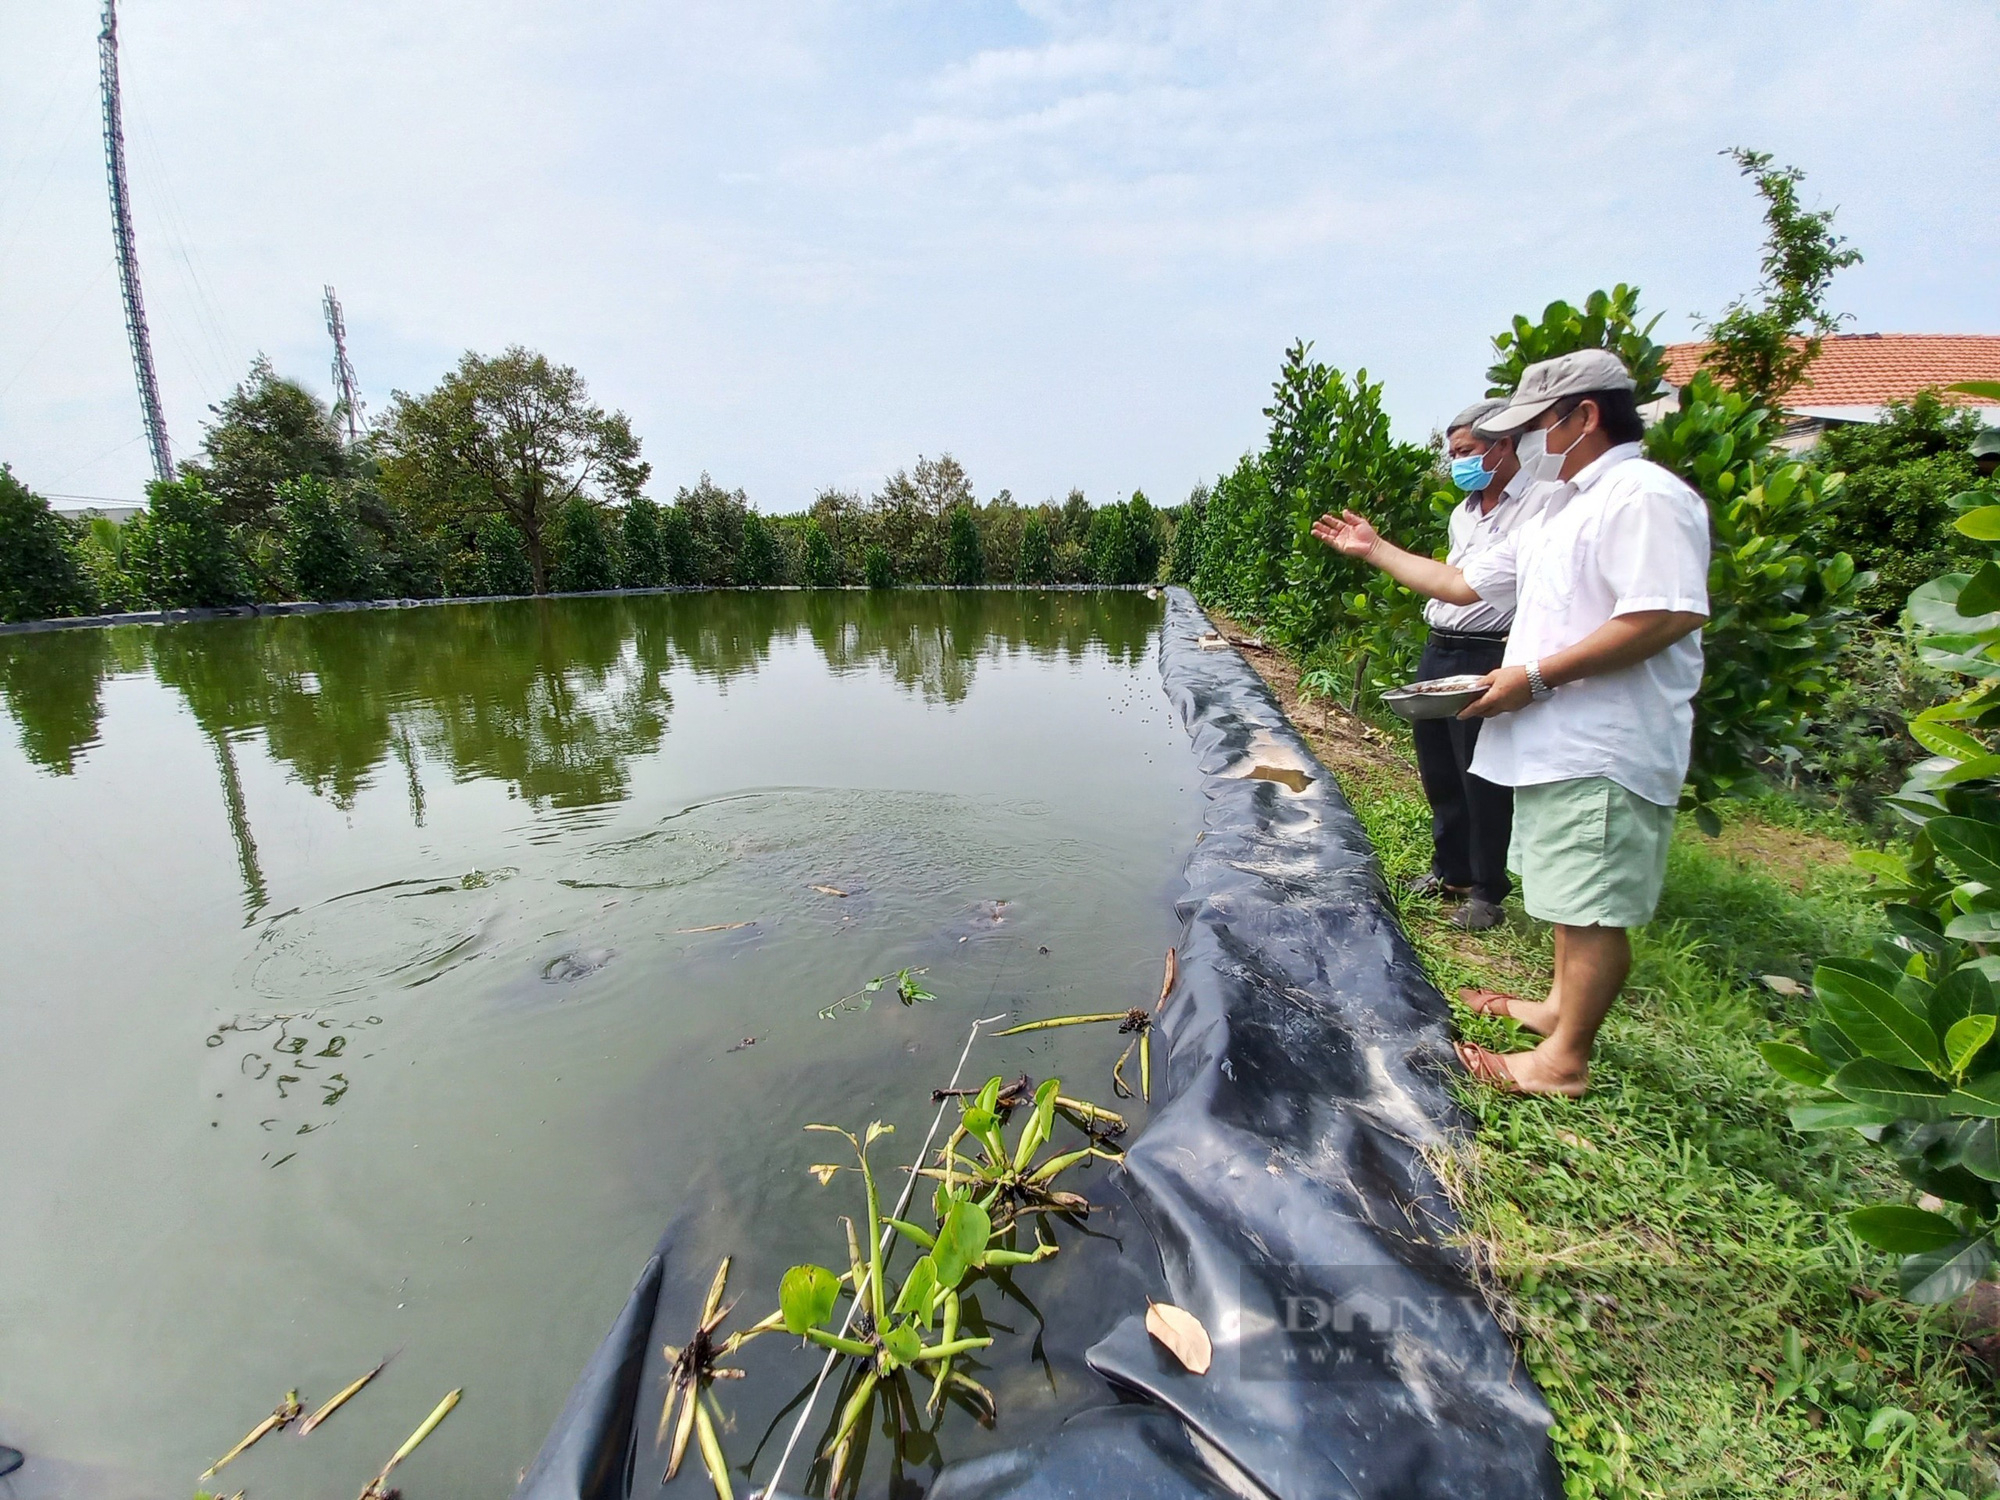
(1283,1178)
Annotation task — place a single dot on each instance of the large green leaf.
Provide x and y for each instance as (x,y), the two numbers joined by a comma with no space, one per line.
(1830,1042)
(903,1344)
(1963,1041)
(919,1289)
(1934,606)
(1979,1148)
(1794,1063)
(1860,998)
(1943,739)
(1902,1230)
(1876,1085)
(1990,389)
(1966,991)
(1944,1275)
(1970,844)
(1837,1114)
(961,1241)
(1980,1097)
(806,1295)
(1981,594)
(1981,524)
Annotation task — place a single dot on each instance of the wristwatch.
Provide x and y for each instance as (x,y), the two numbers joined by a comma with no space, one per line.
(1537,689)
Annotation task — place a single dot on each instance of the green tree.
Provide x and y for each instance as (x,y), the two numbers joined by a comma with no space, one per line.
(1185,554)
(323,551)
(181,550)
(757,567)
(267,431)
(1114,551)
(583,558)
(1038,559)
(677,547)
(42,572)
(515,434)
(820,566)
(502,558)
(715,518)
(1145,521)
(1893,510)
(878,569)
(1072,520)
(644,558)
(911,513)
(964,560)
(1764,351)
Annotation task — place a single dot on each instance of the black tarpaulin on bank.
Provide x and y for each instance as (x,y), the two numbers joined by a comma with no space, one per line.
(1283,1179)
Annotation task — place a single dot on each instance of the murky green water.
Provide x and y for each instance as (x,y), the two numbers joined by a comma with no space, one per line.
(382,981)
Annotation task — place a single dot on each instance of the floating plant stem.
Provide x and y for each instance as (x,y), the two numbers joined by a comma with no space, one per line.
(339,1401)
(1109,1015)
(377,1488)
(281,1416)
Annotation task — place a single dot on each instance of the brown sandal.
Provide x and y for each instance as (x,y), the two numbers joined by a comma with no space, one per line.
(1488,1002)
(1489,1068)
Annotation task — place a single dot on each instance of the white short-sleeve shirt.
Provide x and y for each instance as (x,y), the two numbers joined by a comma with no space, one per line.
(1474,532)
(1630,538)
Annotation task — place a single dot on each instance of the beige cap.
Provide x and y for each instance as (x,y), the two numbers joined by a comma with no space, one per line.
(1544,384)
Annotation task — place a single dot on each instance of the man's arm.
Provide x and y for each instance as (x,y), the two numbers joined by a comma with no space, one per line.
(1353,536)
(1622,641)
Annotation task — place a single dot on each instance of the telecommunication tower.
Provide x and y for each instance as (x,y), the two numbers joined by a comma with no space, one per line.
(128,255)
(347,399)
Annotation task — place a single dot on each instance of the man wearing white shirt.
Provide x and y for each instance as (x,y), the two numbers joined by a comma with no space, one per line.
(1471,817)
(1591,714)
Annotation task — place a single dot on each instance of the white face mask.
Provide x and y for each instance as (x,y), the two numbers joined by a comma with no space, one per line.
(1539,462)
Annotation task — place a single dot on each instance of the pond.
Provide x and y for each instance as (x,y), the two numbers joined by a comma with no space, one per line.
(385,982)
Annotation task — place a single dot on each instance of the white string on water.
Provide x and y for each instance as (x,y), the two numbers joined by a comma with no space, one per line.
(770,1489)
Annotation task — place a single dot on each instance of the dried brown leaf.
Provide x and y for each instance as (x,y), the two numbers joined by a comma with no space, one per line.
(1182,1333)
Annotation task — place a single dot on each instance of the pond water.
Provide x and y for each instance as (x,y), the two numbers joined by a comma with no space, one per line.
(388,981)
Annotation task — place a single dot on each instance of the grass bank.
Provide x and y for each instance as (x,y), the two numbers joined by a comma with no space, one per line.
(1667,1249)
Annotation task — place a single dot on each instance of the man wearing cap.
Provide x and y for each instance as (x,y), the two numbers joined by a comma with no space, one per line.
(1471,818)
(1591,712)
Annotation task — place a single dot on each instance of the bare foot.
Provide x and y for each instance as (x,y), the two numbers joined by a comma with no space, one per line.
(1523,1072)
(1538,1016)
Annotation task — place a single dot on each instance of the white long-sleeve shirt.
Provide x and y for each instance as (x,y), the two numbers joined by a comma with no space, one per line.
(1475,532)
(1625,536)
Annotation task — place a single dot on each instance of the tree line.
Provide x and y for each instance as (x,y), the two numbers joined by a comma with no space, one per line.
(508,479)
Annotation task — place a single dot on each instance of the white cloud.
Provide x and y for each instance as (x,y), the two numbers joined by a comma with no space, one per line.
(800,244)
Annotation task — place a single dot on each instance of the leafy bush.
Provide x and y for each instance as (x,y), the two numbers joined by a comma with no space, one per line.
(1114,554)
(1184,556)
(964,561)
(181,553)
(645,562)
(1779,608)
(877,571)
(1607,320)
(1853,745)
(503,558)
(323,551)
(1329,448)
(1038,559)
(1902,1047)
(42,573)
(1894,509)
(583,559)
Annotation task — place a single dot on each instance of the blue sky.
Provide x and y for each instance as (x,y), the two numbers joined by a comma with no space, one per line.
(802,243)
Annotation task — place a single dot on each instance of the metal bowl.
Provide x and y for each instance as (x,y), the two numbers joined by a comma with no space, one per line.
(1439,698)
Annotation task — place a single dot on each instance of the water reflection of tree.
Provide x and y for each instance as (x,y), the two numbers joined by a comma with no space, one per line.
(53,685)
(554,698)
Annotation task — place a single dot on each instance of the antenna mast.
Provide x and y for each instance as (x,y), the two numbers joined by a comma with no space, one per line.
(347,400)
(128,255)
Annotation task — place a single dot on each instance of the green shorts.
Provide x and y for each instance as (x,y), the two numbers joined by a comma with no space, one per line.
(1589,852)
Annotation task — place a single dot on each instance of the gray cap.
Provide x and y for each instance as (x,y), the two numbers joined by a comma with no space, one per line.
(1474,414)
(1986,443)
(1544,384)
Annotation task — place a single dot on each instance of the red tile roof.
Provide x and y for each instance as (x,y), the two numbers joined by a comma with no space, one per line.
(1873,369)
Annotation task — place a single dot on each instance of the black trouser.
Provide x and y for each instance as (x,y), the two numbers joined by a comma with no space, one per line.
(1471,819)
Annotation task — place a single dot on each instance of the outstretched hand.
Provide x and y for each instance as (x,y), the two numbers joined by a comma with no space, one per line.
(1350,534)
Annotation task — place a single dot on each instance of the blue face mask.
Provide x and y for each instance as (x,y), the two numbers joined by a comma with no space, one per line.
(1470,473)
